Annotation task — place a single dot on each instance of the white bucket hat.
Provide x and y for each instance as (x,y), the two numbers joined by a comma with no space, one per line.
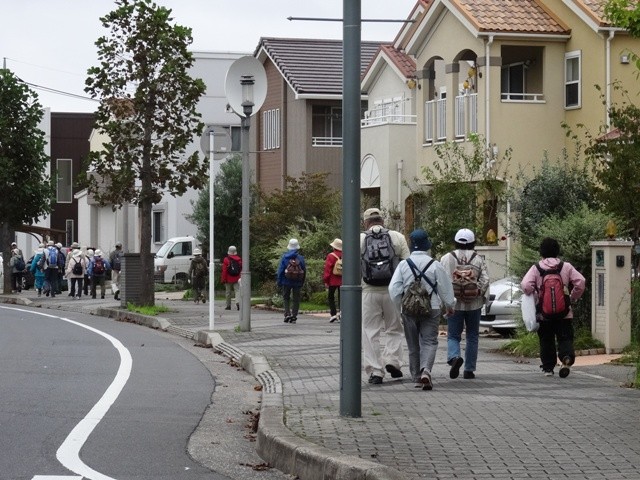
(293,244)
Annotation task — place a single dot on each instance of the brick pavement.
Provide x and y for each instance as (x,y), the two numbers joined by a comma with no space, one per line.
(510,422)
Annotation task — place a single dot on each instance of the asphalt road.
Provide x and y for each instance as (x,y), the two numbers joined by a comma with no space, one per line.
(89,397)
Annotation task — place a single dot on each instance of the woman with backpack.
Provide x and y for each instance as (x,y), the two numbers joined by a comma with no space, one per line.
(554,330)
(290,276)
(17,269)
(198,272)
(332,278)
(75,272)
(231,269)
(37,268)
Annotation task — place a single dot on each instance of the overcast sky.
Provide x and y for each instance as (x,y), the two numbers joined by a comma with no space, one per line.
(51,43)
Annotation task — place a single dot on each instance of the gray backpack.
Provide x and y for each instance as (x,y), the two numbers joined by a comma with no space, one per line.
(379,259)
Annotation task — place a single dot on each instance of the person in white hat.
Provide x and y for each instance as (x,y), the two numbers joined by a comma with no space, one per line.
(378,311)
(37,268)
(198,272)
(290,277)
(97,269)
(332,278)
(470,278)
(115,259)
(230,276)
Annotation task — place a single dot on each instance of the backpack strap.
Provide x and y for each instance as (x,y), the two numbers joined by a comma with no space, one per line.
(417,273)
(466,262)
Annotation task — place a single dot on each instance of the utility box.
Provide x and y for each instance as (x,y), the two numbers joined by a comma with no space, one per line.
(131,279)
(611,297)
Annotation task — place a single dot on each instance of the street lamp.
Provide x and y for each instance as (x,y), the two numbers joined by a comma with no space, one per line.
(246,82)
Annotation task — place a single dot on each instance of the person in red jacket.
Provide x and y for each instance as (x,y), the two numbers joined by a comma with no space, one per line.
(332,277)
(231,268)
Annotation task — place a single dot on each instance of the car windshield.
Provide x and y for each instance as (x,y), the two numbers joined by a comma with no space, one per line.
(164,249)
(511,294)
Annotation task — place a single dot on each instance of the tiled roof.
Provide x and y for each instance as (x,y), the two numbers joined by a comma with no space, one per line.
(511,16)
(312,66)
(404,62)
(593,8)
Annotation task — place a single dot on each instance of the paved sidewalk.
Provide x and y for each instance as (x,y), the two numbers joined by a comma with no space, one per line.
(511,422)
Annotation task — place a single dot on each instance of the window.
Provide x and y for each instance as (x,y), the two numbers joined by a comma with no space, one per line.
(68,228)
(180,249)
(512,81)
(271,129)
(64,192)
(326,126)
(572,79)
(158,226)
(236,138)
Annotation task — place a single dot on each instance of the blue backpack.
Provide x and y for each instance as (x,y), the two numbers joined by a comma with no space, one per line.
(53,256)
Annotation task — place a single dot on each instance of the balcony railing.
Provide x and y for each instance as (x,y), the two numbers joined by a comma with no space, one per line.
(522,97)
(326,141)
(466,114)
(369,121)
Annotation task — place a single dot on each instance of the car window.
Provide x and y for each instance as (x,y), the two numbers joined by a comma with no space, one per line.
(164,249)
(181,249)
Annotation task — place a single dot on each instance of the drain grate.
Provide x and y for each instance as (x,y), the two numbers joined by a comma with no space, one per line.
(270,382)
(182,332)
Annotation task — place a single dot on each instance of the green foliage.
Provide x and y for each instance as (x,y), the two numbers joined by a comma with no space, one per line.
(466,190)
(148,112)
(306,210)
(573,233)
(150,310)
(624,14)
(227,209)
(23,162)
(556,188)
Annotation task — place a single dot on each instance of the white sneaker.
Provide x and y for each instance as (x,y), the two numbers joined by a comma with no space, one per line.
(333,318)
(425,380)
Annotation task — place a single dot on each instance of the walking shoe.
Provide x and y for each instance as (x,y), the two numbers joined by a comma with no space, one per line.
(333,318)
(287,319)
(78,297)
(375,379)
(237,306)
(293,319)
(468,374)
(565,369)
(116,296)
(394,371)
(228,307)
(456,363)
(425,380)
(102,297)
(547,373)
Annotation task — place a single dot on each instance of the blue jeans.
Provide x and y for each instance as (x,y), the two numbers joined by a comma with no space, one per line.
(470,321)
(422,342)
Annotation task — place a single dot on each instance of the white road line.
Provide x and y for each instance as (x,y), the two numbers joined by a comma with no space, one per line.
(69,452)
(56,477)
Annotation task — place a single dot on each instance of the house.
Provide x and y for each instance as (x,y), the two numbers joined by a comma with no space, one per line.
(67,136)
(105,226)
(511,72)
(299,127)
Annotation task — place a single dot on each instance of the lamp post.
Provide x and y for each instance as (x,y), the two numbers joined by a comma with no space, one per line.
(246,82)
(212,274)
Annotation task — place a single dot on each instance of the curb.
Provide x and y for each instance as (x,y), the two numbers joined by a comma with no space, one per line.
(278,445)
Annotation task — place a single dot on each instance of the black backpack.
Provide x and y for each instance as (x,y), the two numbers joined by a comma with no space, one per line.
(77,267)
(19,264)
(234,267)
(379,259)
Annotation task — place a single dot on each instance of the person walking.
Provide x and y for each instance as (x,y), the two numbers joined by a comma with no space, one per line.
(72,247)
(62,261)
(332,278)
(87,277)
(380,247)
(421,332)
(555,335)
(14,246)
(470,277)
(16,262)
(51,270)
(230,276)
(198,272)
(37,268)
(115,260)
(76,269)
(290,277)
(97,269)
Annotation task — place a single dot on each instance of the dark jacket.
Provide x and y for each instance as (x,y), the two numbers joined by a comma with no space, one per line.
(284,261)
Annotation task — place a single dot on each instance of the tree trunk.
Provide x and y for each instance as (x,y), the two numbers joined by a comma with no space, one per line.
(147,296)
(7,235)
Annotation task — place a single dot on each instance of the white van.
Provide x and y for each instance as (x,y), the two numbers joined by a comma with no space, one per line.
(173,259)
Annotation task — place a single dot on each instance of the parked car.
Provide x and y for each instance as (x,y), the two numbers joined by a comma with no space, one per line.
(173,260)
(501,313)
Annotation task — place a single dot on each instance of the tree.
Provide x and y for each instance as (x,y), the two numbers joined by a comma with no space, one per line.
(227,208)
(625,14)
(466,189)
(23,163)
(148,111)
